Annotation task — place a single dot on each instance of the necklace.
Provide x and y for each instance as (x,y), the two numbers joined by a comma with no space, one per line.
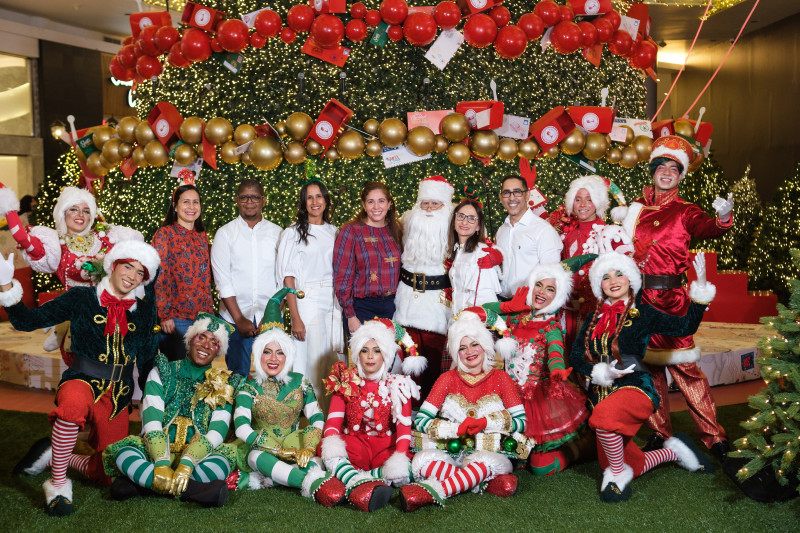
(79,243)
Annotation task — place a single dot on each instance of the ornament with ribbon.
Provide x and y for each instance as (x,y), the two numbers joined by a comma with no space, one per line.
(468,193)
(117,319)
(215,390)
(343,380)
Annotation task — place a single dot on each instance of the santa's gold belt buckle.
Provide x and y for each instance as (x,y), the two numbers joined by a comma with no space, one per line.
(414,282)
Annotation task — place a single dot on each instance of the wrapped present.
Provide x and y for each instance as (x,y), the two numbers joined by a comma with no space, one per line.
(590,7)
(482,114)
(641,13)
(140,21)
(552,128)
(201,17)
(593,118)
(165,121)
(662,128)
(330,123)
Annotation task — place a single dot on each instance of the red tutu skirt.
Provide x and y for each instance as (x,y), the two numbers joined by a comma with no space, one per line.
(554,411)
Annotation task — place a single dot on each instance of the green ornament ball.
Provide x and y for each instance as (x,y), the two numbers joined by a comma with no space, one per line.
(454,445)
(509,444)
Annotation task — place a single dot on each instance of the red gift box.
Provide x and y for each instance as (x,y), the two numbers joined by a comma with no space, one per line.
(662,128)
(165,120)
(328,6)
(482,114)
(641,13)
(552,128)
(592,118)
(470,7)
(330,123)
(202,17)
(703,133)
(140,21)
(590,7)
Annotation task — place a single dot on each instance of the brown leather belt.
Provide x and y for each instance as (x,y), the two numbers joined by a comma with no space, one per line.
(662,282)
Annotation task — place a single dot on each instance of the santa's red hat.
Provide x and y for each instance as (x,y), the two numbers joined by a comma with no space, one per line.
(435,188)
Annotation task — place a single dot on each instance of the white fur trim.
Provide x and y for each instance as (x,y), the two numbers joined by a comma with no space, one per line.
(469,325)
(200,326)
(563,280)
(676,155)
(139,251)
(631,218)
(704,294)
(597,190)
(435,189)
(69,197)
(622,480)
(49,262)
(287,346)
(396,469)
(414,366)
(255,481)
(686,457)
(506,347)
(51,492)
(123,233)
(358,479)
(672,357)
(613,261)
(600,375)
(11,296)
(377,331)
(105,285)
(618,213)
(421,310)
(314,473)
(436,486)
(8,201)
(333,451)
(423,458)
(496,463)
(40,464)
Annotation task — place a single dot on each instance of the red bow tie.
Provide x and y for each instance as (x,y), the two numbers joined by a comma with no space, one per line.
(607,321)
(116,312)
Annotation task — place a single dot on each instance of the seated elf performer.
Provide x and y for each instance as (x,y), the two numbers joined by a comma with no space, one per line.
(469,426)
(186,413)
(273,447)
(367,435)
(623,397)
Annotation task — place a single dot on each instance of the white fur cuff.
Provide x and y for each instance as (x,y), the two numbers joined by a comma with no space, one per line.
(424,458)
(8,201)
(51,492)
(314,473)
(11,296)
(396,469)
(686,457)
(622,480)
(333,451)
(702,294)
(600,375)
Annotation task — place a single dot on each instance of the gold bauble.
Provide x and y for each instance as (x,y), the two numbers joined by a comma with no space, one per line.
(455,127)
(101,135)
(528,149)
(371,126)
(111,150)
(143,133)
(156,154)
(219,130)
(266,153)
(441,144)
(507,150)
(484,143)
(552,152)
(614,155)
(105,163)
(574,142)
(374,148)
(421,140)
(126,129)
(458,154)
(280,127)
(244,133)
(191,130)
(245,158)
(313,147)
(694,165)
(643,145)
(184,154)
(95,165)
(125,150)
(295,153)
(298,125)
(332,154)
(629,135)
(138,157)
(350,144)
(596,146)
(228,153)
(683,127)
(629,158)
(392,132)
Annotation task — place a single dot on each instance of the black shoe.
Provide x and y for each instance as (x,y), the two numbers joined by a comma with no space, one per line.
(39,448)
(720,450)
(380,497)
(211,494)
(612,494)
(655,442)
(124,489)
(59,506)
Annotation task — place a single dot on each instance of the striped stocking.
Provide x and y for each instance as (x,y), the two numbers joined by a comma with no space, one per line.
(613,448)
(79,462)
(656,457)
(345,471)
(133,463)
(65,435)
(377,473)
(211,468)
(439,470)
(465,479)
(275,469)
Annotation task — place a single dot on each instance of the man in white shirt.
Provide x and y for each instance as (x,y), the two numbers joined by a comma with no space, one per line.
(243,260)
(524,238)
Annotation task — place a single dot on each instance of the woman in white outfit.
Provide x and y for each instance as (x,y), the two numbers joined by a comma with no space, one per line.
(305,263)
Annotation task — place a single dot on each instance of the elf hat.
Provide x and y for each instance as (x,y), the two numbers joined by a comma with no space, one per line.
(562,273)
(135,251)
(673,147)
(613,261)
(435,188)
(386,334)
(71,196)
(215,325)
(271,330)
(505,346)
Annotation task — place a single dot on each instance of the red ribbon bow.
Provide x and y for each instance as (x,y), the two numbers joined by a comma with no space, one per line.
(116,312)
(607,322)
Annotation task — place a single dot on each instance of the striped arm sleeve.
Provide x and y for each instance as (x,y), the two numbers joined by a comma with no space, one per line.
(311,407)
(333,425)
(425,416)
(153,403)
(517,418)
(555,349)
(403,431)
(243,417)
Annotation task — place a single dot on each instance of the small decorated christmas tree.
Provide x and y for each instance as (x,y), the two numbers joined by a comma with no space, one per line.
(734,247)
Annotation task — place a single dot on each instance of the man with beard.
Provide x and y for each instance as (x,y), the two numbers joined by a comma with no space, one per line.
(420,297)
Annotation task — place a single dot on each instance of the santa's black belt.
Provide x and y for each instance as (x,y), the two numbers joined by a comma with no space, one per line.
(421,283)
(662,282)
(99,370)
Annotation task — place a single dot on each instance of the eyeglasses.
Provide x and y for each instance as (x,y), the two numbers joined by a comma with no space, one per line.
(249,198)
(517,193)
(469,218)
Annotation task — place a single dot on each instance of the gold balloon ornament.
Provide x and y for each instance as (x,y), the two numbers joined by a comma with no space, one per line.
(458,154)
(552,152)
(298,124)
(191,130)
(455,127)
(629,135)
(421,140)
(350,144)
(313,147)
(614,155)
(441,144)
(184,154)
(643,145)
(484,143)
(245,159)
(332,154)
(126,129)
(629,157)
(125,149)
(528,149)
(596,146)
(374,148)
(280,127)
(266,153)
(219,130)
(295,153)
(228,153)
(392,132)
(111,150)
(574,142)
(143,133)
(683,127)
(507,149)
(137,156)
(156,154)
(94,164)
(695,164)
(101,135)
(105,163)
(371,126)
(244,133)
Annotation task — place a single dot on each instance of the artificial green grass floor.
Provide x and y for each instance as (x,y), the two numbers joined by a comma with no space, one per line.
(665,499)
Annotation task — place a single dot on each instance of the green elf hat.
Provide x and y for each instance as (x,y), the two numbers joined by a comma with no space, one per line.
(271,330)
(207,322)
(468,193)
(272,314)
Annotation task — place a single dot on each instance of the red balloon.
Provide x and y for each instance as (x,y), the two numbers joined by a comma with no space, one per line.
(356,30)
(268,24)
(419,29)
(300,17)
(620,43)
(532,25)
(394,12)
(137,48)
(120,72)
(233,35)
(604,29)
(148,39)
(373,17)
(614,18)
(288,35)
(128,40)
(215,46)
(176,57)
(447,14)
(195,45)
(327,30)
(257,41)
(566,13)
(480,30)
(127,56)
(566,37)
(147,66)
(395,33)
(510,42)
(549,12)
(589,33)
(166,36)
(501,16)
(358,10)
(644,55)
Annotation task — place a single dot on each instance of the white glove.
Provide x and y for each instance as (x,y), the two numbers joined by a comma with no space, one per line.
(604,374)
(6,269)
(723,207)
(608,235)
(699,265)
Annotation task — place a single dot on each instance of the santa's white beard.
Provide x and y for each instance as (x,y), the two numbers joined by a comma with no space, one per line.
(425,236)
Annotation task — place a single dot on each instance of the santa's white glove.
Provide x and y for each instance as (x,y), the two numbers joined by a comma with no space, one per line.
(699,265)
(723,207)
(612,238)
(6,269)
(701,291)
(604,374)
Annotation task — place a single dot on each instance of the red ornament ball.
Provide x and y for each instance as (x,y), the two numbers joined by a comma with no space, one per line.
(447,14)
(176,57)
(501,16)
(127,56)
(288,35)
(620,43)
(147,38)
(419,29)
(233,35)
(120,72)
(268,24)
(128,40)
(566,37)
(532,25)
(195,45)
(480,30)
(549,12)
(300,17)
(165,37)
(327,30)
(644,55)
(566,13)
(373,17)
(257,41)
(589,33)
(215,46)
(148,67)
(394,12)
(604,29)
(395,33)
(356,30)
(358,10)
(614,18)
(510,42)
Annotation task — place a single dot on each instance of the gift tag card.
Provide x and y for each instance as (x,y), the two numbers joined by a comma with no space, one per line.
(337,55)
(230,61)
(514,127)
(430,119)
(394,157)
(379,36)
(594,54)
(629,25)
(194,168)
(444,48)
(250,18)
(581,161)
(546,38)
(536,198)
(243,148)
